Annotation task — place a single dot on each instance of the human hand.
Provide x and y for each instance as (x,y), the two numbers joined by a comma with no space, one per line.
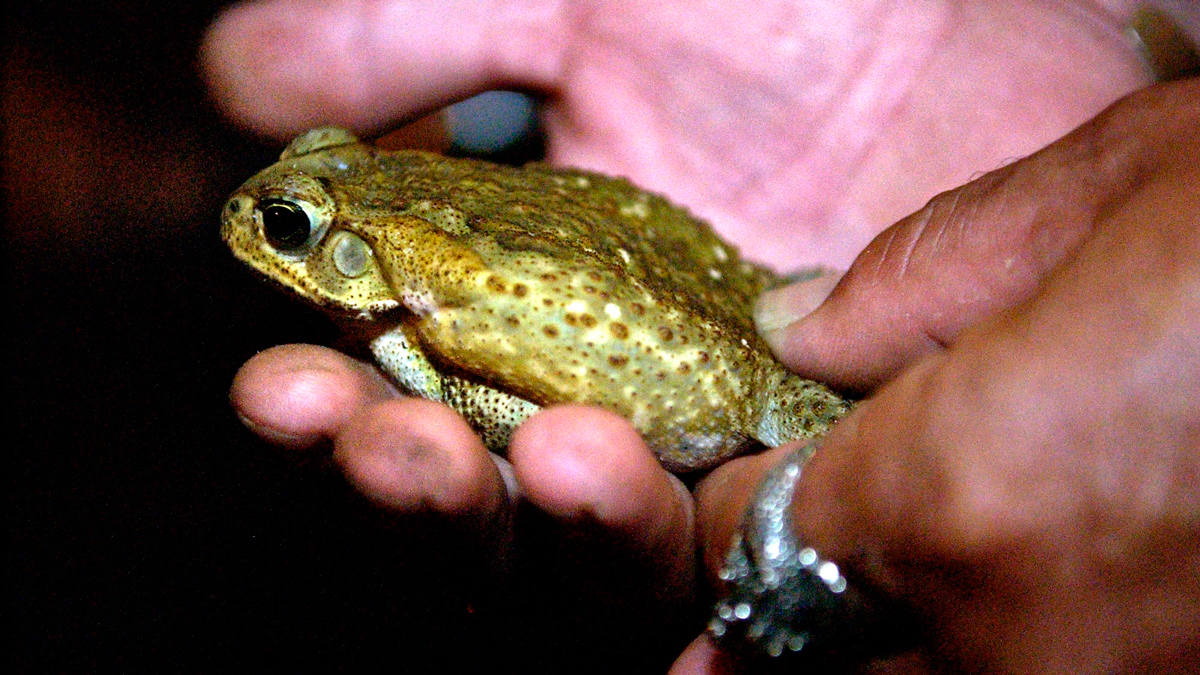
(800,128)
(580,538)
(1027,485)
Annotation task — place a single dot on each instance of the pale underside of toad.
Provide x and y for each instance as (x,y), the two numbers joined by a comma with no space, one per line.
(500,290)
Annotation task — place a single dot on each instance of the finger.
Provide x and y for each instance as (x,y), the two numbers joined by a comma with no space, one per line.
(721,500)
(622,525)
(414,456)
(919,283)
(283,66)
(582,463)
(423,465)
(300,395)
(970,253)
(703,657)
(411,456)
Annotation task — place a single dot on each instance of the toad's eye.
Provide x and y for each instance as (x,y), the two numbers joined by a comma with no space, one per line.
(285,225)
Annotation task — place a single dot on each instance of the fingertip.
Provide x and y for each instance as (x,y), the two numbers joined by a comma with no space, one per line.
(237,75)
(584,463)
(299,395)
(418,456)
(779,308)
(283,67)
(703,657)
(861,336)
(617,519)
(816,328)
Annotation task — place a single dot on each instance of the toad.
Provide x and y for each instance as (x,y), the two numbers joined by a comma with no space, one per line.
(500,290)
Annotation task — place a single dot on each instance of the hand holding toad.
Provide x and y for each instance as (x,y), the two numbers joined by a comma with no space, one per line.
(799,177)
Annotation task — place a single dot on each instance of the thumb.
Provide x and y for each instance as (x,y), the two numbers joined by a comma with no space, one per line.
(975,250)
(909,292)
(971,252)
(282,66)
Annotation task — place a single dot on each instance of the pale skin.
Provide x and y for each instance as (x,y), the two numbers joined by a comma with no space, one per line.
(1002,329)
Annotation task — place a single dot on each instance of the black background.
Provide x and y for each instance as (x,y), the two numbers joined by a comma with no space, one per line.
(149,531)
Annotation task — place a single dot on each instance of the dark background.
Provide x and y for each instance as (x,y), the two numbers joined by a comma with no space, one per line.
(149,531)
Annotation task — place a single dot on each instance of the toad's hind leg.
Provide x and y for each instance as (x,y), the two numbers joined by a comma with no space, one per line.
(492,413)
(793,408)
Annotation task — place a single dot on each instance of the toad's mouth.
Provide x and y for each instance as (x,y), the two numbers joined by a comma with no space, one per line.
(354,337)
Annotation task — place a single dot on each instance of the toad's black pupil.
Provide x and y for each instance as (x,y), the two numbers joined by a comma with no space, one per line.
(285,225)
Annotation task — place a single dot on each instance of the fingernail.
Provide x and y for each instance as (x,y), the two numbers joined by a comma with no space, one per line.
(777,309)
